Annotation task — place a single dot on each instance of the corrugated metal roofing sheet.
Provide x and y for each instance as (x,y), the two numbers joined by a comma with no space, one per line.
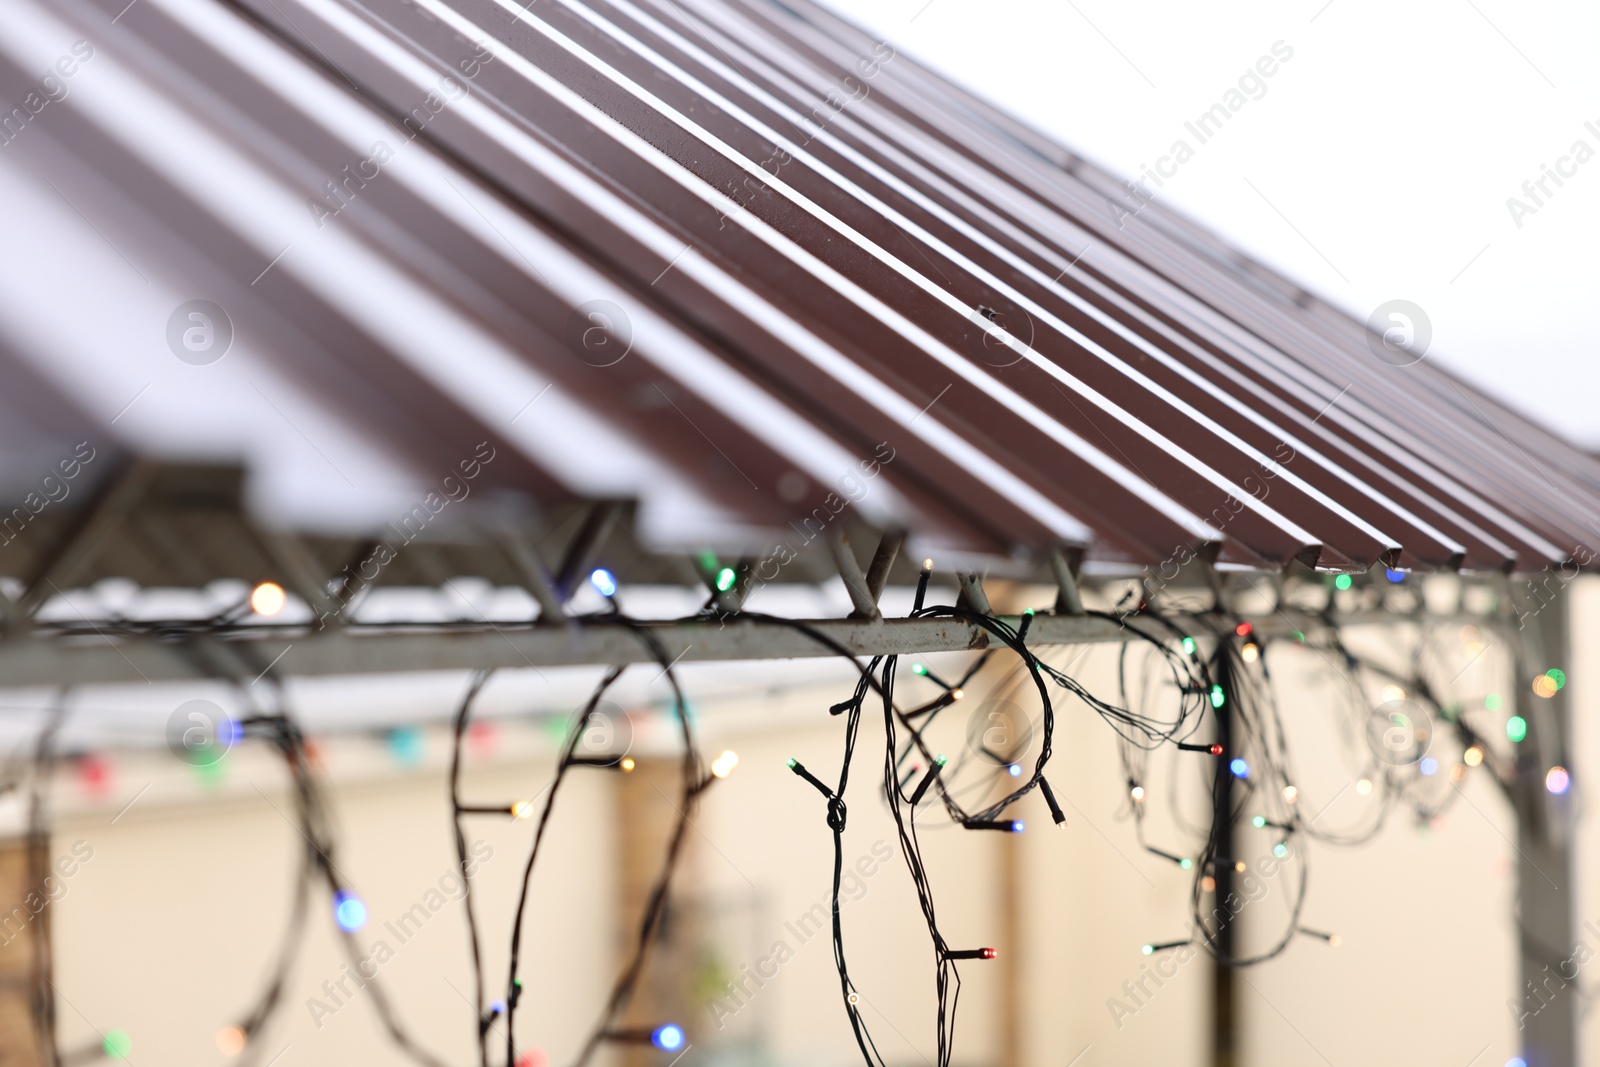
(822,253)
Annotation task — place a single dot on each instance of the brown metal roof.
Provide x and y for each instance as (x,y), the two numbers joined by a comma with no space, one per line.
(823,252)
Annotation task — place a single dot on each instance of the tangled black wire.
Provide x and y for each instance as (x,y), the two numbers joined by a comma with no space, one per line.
(1221,702)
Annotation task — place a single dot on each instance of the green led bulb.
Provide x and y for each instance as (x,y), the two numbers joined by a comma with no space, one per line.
(1259,821)
(1189,646)
(725,579)
(941,760)
(792,762)
(1516,728)
(1343,581)
(117,1044)
(1217,697)
(917,668)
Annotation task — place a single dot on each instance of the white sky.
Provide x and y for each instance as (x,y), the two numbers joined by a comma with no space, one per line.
(1390,141)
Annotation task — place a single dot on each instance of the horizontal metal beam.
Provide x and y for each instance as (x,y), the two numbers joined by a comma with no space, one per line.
(101,659)
(96,660)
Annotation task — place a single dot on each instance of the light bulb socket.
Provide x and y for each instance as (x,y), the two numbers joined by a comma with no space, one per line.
(668,1037)
(799,768)
(943,700)
(610,763)
(1056,813)
(971,953)
(927,781)
(922,585)
(1332,939)
(1022,629)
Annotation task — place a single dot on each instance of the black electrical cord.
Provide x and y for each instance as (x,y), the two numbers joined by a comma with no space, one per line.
(1200,685)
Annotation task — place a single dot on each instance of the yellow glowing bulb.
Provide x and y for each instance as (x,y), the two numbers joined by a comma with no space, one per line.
(1291,794)
(1208,884)
(1457,773)
(1545,686)
(230,1040)
(1241,866)
(628,765)
(1138,792)
(1334,940)
(957,694)
(1364,786)
(1250,652)
(927,564)
(267,598)
(724,764)
(1393,694)
(523,809)
(1472,756)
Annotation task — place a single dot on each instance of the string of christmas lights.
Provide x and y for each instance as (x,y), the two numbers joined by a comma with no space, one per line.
(1219,705)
